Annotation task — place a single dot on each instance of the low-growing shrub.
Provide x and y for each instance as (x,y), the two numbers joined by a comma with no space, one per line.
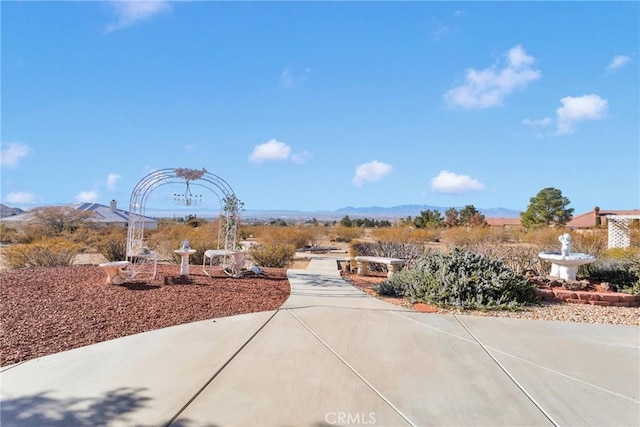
(340,233)
(462,279)
(112,243)
(406,234)
(388,249)
(272,254)
(623,275)
(463,236)
(521,258)
(46,252)
(592,242)
(298,236)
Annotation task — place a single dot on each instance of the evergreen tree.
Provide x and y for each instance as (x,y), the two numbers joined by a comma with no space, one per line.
(548,207)
(428,218)
(471,217)
(451,217)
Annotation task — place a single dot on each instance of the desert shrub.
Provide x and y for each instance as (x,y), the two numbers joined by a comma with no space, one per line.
(340,233)
(406,234)
(635,234)
(623,275)
(462,279)
(298,236)
(592,242)
(46,252)
(621,253)
(406,251)
(546,237)
(279,255)
(112,243)
(464,236)
(169,237)
(521,258)
(8,234)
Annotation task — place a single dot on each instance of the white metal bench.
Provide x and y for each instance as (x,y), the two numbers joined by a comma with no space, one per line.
(232,261)
(116,273)
(393,264)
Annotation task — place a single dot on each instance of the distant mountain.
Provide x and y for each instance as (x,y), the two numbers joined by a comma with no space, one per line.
(393,212)
(7,211)
(414,210)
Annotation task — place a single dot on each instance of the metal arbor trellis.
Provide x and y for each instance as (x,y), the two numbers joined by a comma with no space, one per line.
(619,230)
(229,204)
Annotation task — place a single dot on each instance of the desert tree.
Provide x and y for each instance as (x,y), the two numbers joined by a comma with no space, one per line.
(58,219)
(471,217)
(451,217)
(346,221)
(548,207)
(428,218)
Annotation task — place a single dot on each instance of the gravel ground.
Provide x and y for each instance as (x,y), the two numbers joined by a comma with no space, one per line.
(48,310)
(567,312)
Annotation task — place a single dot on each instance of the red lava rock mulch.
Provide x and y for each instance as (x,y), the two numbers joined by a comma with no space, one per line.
(51,309)
(366,284)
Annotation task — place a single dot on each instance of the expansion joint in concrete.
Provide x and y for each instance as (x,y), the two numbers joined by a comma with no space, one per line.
(352,369)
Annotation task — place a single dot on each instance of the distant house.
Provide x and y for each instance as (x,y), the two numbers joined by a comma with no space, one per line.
(597,217)
(105,215)
(503,222)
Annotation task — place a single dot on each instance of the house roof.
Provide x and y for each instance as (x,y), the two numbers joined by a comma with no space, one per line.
(588,219)
(103,214)
(496,222)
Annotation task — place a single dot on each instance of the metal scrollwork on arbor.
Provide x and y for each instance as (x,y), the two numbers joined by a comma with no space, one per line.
(230,205)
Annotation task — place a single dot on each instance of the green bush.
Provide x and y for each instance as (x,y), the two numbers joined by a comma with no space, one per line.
(47,252)
(623,275)
(462,279)
(279,255)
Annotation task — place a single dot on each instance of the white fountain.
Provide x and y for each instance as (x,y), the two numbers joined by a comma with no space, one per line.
(564,264)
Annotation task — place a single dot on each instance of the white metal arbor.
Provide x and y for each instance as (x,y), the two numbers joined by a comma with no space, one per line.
(229,205)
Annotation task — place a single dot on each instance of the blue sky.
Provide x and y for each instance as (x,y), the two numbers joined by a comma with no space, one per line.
(321,105)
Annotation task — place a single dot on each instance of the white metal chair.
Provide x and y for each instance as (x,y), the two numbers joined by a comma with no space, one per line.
(144,263)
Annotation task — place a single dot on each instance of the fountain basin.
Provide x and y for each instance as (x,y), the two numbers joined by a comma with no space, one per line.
(563,266)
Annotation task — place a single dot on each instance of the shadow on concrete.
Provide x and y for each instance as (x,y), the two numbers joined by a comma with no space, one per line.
(43,410)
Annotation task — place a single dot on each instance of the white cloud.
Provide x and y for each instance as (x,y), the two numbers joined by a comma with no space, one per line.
(440,32)
(289,79)
(112,180)
(271,150)
(12,152)
(452,183)
(131,12)
(617,62)
(538,122)
(488,88)
(87,196)
(579,108)
(21,197)
(371,172)
(300,157)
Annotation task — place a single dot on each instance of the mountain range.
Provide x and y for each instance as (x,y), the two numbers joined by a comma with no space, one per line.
(7,211)
(372,212)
